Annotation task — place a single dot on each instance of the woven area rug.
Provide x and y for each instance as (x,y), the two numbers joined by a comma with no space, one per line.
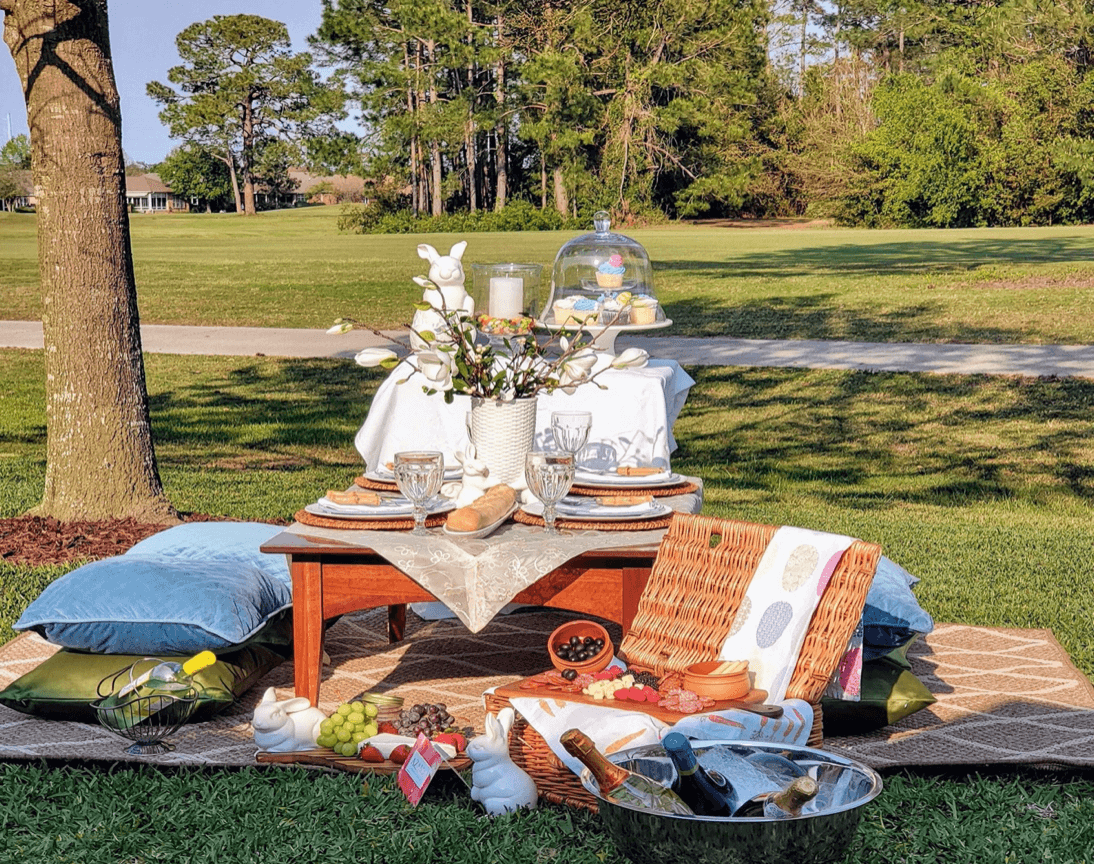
(1004,696)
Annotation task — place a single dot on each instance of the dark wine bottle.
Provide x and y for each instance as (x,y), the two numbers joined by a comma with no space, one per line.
(619,784)
(783,804)
(707,793)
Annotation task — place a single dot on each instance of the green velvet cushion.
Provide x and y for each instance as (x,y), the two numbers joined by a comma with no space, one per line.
(65,685)
(890,692)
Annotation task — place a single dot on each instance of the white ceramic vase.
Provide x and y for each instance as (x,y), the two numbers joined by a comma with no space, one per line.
(503,433)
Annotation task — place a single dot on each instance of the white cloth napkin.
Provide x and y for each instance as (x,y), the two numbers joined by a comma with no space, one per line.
(614,729)
(770,626)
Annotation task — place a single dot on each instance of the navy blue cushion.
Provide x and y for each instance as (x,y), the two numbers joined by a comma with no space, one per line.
(891,615)
(217,541)
(152,604)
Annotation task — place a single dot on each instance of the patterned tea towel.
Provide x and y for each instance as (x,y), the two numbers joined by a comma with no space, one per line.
(770,625)
(615,729)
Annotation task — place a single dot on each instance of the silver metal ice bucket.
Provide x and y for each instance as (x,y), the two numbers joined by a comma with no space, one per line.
(821,834)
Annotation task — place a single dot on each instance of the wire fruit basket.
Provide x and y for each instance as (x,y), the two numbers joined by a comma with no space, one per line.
(144,718)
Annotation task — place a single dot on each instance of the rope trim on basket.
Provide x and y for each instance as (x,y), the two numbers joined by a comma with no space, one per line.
(578,525)
(306,518)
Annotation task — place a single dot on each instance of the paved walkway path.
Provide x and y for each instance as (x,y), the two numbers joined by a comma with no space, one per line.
(1034,360)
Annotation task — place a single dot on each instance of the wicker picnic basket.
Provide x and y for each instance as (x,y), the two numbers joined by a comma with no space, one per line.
(701,573)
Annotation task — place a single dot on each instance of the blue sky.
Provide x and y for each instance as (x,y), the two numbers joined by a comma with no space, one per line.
(142,42)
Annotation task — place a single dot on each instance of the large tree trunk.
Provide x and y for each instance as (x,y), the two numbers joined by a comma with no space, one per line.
(100,463)
(562,199)
(247,160)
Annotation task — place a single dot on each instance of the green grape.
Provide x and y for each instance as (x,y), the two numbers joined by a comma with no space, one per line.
(337,720)
(344,709)
(371,729)
(343,734)
(356,718)
(348,748)
(326,741)
(326,727)
(357,706)
(358,737)
(371,710)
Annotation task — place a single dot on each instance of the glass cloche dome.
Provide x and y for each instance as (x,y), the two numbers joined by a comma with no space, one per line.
(602,278)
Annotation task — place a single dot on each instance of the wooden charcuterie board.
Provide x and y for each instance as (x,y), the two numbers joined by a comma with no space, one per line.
(513,691)
(326,758)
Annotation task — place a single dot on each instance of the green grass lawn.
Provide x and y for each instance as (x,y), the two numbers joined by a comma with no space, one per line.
(294,269)
(979,485)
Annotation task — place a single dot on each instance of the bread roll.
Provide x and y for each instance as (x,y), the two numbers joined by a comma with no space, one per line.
(623,500)
(353,496)
(637,470)
(484,511)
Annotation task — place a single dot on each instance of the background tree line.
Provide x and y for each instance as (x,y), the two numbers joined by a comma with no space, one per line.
(871,112)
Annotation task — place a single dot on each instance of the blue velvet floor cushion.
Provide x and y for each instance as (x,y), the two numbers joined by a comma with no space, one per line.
(194,587)
(891,615)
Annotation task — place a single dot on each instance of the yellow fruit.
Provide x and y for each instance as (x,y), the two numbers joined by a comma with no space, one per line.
(371,710)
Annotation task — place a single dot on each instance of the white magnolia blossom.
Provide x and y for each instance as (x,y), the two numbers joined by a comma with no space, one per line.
(576,369)
(343,327)
(631,358)
(370,357)
(436,366)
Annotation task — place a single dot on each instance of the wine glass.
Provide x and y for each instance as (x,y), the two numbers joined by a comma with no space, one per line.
(550,476)
(571,429)
(419,475)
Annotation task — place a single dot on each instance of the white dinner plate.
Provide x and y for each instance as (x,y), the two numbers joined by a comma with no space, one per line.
(397,509)
(600,513)
(485,531)
(382,475)
(612,480)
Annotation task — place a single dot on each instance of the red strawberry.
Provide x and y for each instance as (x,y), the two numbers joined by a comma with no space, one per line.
(387,727)
(371,754)
(399,754)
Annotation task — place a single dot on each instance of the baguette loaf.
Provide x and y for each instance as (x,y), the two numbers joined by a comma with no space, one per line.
(638,470)
(352,497)
(484,511)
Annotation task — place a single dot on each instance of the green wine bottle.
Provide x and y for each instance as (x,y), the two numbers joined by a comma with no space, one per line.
(785,803)
(707,793)
(617,783)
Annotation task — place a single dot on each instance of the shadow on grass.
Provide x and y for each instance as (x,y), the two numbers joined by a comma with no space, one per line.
(880,440)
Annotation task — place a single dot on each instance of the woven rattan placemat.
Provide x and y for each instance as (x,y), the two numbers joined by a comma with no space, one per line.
(306,518)
(579,525)
(685,488)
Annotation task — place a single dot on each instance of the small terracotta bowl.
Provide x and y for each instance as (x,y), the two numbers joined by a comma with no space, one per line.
(581,629)
(698,679)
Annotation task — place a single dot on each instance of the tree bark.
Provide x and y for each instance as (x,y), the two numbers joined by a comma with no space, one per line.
(246,162)
(501,133)
(100,461)
(562,199)
(437,201)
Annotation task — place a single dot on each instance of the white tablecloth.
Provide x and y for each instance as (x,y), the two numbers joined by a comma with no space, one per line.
(632,418)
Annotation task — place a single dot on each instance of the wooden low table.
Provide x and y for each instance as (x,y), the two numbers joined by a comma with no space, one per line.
(330,578)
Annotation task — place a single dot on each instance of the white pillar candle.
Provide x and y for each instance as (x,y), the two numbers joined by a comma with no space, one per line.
(506,296)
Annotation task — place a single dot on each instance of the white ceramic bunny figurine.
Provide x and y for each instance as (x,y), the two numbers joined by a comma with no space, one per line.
(285,727)
(443,290)
(476,477)
(498,784)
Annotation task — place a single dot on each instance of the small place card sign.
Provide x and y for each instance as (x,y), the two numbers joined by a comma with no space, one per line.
(419,769)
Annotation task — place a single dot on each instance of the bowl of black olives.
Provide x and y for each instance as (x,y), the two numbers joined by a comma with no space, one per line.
(583,646)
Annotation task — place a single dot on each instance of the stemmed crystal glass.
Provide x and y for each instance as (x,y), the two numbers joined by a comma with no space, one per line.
(419,475)
(550,475)
(571,429)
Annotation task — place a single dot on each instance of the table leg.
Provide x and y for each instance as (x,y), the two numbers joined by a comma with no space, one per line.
(396,622)
(307,595)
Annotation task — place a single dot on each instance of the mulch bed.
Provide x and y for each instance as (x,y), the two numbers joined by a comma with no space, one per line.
(40,540)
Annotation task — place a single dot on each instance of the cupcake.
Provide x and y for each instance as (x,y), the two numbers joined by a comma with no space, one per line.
(643,309)
(576,310)
(610,273)
(614,307)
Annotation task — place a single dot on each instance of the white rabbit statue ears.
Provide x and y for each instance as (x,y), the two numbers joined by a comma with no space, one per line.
(444,286)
